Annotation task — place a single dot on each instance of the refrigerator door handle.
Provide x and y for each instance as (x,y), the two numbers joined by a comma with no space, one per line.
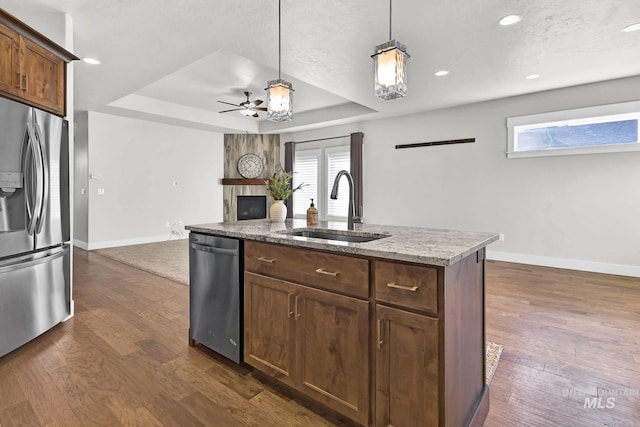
(32,174)
(44,177)
(33,260)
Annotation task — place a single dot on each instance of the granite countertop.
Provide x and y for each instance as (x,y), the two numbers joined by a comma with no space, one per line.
(419,245)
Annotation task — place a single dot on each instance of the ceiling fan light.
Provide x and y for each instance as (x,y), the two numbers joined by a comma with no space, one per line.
(279,101)
(390,70)
(247,112)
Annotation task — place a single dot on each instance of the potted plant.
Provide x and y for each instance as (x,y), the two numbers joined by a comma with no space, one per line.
(279,187)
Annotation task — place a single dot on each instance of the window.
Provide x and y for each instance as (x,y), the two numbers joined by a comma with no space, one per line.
(318,168)
(307,168)
(602,129)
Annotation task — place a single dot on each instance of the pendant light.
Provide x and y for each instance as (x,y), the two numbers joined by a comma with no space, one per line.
(390,67)
(279,92)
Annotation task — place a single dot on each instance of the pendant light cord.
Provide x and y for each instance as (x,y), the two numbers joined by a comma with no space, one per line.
(390,20)
(279,38)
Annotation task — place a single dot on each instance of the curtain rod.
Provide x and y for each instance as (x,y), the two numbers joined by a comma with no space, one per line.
(321,139)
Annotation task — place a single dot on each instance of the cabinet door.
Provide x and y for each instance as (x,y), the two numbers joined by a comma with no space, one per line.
(9,65)
(406,369)
(43,77)
(269,338)
(333,351)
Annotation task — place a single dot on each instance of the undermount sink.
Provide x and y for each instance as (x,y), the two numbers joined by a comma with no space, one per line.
(343,237)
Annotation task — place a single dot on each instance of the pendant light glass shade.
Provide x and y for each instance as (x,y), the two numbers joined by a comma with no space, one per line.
(390,70)
(279,101)
(279,92)
(390,67)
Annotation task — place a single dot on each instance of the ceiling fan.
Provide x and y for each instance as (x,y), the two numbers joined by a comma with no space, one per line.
(248,108)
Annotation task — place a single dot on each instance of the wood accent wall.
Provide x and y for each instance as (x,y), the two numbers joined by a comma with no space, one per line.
(237,145)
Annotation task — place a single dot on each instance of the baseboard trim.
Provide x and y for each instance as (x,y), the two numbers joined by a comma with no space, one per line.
(80,244)
(570,264)
(128,242)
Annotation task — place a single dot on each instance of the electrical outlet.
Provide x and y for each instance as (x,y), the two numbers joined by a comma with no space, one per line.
(501,237)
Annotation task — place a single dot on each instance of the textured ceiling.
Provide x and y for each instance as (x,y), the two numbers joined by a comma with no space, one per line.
(171,60)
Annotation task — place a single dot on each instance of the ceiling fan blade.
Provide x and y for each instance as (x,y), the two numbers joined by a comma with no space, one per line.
(257,102)
(261,109)
(255,115)
(235,109)
(228,103)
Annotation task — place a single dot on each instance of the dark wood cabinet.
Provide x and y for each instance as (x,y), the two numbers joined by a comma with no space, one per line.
(43,77)
(332,351)
(10,64)
(33,68)
(269,329)
(406,369)
(304,334)
(430,344)
(384,343)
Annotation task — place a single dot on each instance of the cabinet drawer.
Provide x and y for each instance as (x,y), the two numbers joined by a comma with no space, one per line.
(406,285)
(338,273)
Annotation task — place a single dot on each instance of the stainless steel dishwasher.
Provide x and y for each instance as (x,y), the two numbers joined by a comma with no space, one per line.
(215,294)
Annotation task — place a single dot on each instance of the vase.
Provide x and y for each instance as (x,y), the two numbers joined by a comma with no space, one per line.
(278,211)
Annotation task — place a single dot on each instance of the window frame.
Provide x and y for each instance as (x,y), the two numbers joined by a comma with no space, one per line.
(596,114)
(324,189)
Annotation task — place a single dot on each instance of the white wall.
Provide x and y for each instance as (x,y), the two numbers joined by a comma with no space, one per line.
(81,179)
(579,212)
(138,161)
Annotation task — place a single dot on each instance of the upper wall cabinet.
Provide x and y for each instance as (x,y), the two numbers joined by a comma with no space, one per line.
(32,67)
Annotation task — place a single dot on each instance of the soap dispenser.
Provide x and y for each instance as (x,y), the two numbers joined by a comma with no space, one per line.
(312,215)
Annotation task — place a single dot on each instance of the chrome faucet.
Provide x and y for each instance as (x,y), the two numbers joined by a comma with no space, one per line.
(334,195)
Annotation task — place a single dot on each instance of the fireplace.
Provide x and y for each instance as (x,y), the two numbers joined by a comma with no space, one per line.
(251,207)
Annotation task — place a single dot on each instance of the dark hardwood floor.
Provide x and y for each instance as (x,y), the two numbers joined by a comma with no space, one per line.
(568,336)
(124,359)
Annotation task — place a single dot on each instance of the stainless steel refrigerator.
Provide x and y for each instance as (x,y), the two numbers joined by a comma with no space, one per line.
(35,287)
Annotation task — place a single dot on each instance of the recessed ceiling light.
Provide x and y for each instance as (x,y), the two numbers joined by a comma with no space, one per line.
(509,20)
(632,27)
(532,76)
(92,61)
(441,73)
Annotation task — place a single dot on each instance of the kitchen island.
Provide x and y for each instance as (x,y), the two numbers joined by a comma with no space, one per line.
(383,324)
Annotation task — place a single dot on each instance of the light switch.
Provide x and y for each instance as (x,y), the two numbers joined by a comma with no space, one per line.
(100,191)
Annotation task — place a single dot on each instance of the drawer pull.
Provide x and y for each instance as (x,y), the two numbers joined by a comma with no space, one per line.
(263,259)
(328,273)
(404,288)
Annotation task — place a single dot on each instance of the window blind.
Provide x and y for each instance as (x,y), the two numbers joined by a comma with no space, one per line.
(306,171)
(337,159)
